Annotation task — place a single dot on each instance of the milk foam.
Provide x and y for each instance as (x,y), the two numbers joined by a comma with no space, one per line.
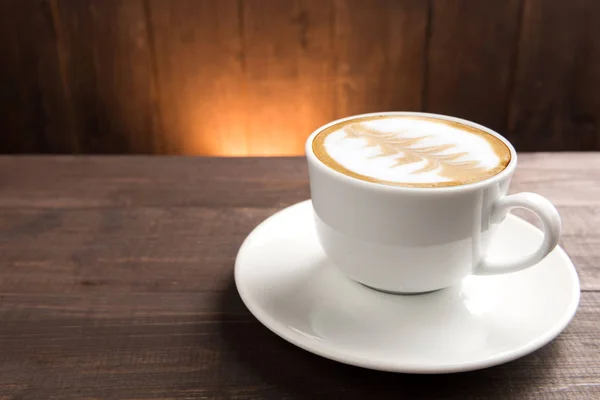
(442,150)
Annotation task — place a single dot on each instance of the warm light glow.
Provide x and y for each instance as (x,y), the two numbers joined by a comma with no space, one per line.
(268,119)
(263,149)
(230,137)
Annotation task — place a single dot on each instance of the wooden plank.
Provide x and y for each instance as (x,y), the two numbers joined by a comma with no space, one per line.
(35,107)
(89,182)
(380,55)
(289,72)
(91,245)
(80,78)
(53,196)
(107,66)
(14,138)
(131,249)
(193,345)
(586,100)
(199,64)
(552,108)
(113,181)
(470,58)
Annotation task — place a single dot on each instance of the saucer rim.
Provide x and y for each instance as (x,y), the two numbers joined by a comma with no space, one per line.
(325,351)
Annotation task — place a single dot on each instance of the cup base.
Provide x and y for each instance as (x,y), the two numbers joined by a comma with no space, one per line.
(399,293)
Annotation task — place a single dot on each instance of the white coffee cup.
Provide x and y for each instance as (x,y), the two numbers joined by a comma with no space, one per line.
(416,239)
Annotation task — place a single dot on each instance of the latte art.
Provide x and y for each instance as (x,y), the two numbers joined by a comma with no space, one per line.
(411,151)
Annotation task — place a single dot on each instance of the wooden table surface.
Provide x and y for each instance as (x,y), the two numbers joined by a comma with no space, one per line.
(116,281)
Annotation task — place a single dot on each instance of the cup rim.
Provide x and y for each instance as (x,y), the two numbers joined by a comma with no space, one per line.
(509,170)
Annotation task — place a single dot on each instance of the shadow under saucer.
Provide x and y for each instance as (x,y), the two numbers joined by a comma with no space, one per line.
(274,368)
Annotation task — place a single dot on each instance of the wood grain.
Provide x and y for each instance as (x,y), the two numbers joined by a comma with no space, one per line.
(200,71)
(551,107)
(95,347)
(106,61)
(79,78)
(380,55)
(117,283)
(255,77)
(289,70)
(36,112)
(470,57)
(116,181)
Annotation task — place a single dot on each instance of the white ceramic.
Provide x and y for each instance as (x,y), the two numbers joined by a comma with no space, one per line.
(410,240)
(287,282)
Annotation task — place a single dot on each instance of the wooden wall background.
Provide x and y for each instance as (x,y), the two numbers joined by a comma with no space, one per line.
(255,77)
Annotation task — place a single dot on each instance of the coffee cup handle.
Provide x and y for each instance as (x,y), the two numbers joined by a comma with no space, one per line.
(551,224)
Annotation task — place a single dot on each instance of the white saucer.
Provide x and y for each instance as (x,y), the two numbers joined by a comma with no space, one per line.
(285,280)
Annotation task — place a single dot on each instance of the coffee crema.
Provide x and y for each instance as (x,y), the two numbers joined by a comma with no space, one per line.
(412,151)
